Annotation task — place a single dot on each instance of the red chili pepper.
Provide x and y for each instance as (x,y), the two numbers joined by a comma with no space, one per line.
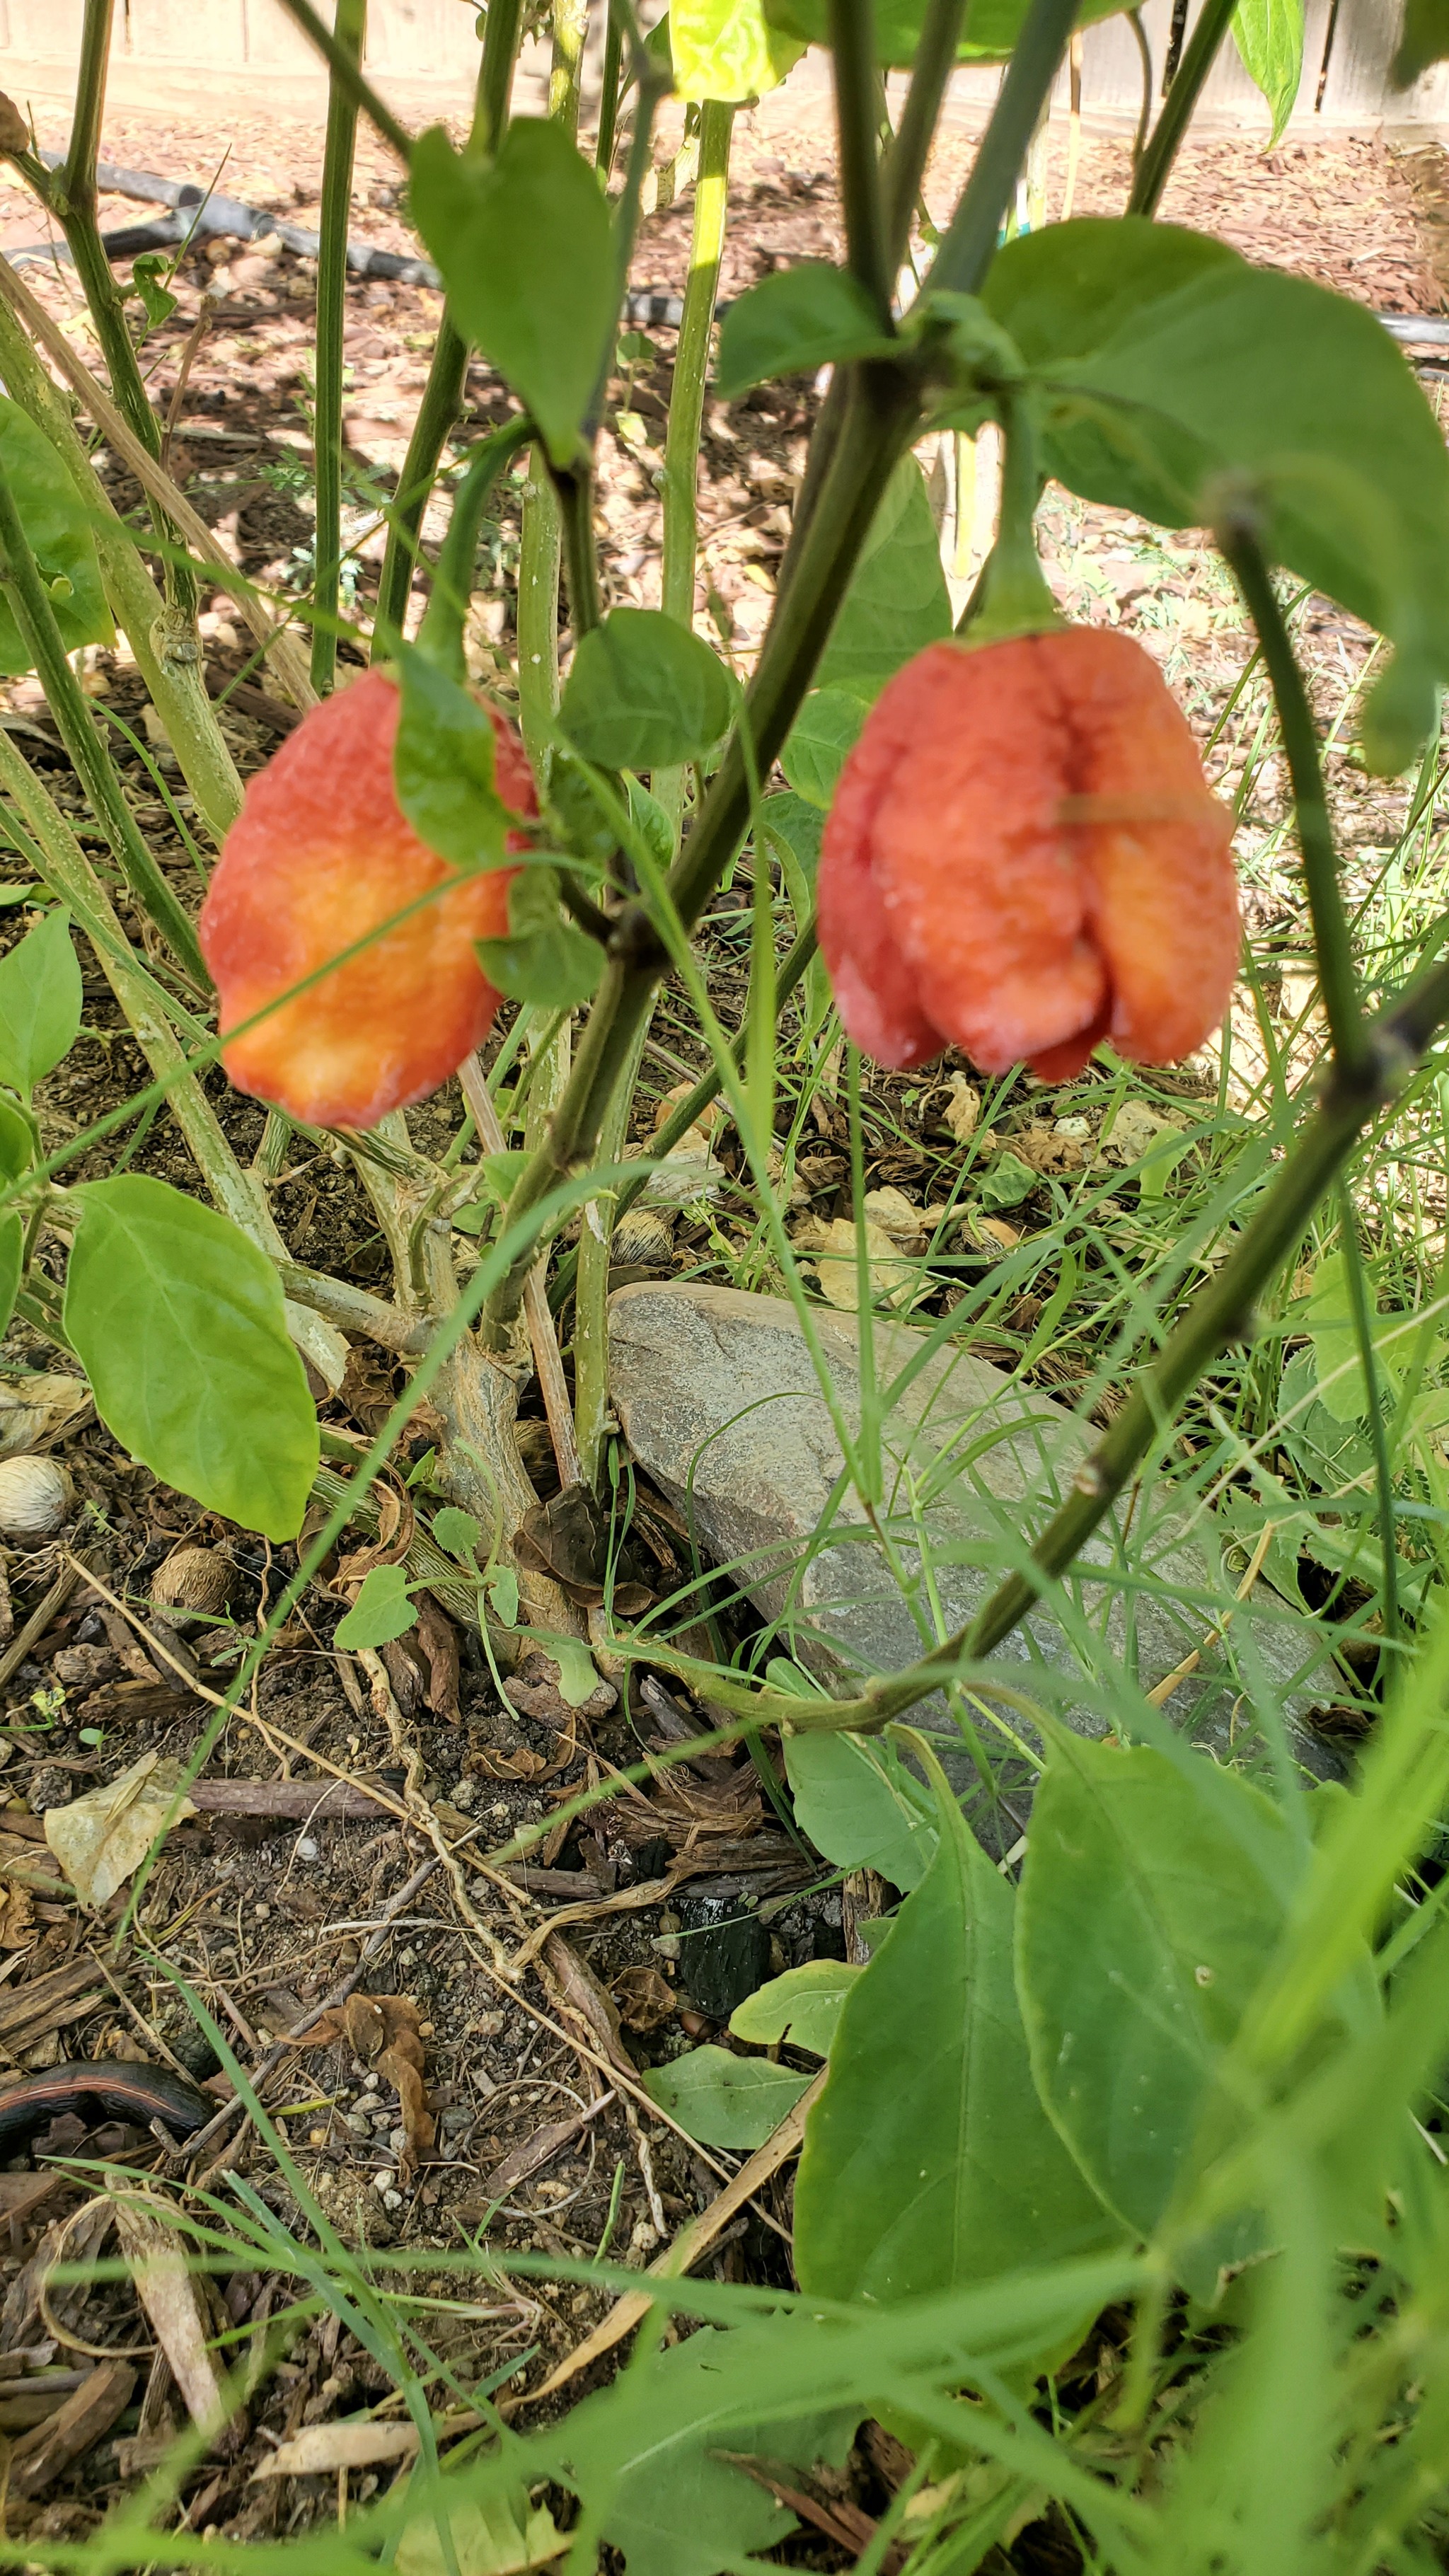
(320,854)
(1024,858)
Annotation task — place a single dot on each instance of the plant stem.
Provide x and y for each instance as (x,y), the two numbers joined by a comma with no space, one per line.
(880,410)
(170,666)
(347,72)
(351,29)
(682,1117)
(495,83)
(570,22)
(878,421)
(857,116)
(610,87)
(1237,537)
(1154,166)
(969,246)
(446,615)
(680,491)
(30,600)
(73,199)
(538,573)
(149,1012)
(1013,596)
(442,400)
(1369,1362)
(906,161)
(574,485)
(591,1281)
(440,407)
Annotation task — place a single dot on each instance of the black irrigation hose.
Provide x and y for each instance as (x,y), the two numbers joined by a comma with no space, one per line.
(202,212)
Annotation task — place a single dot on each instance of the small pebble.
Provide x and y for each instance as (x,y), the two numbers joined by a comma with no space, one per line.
(307,1849)
(370,2083)
(392,2200)
(397,2140)
(261,1913)
(384,2181)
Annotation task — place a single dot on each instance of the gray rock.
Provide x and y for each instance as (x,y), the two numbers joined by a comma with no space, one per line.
(719,1402)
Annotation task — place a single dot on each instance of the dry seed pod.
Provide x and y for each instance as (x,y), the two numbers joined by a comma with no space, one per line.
(35,1496)
(193,1579)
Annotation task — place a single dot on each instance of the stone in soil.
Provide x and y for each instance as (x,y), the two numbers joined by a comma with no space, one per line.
(720,1404)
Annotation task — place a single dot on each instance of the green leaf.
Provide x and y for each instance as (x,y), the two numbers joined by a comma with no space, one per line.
(796,822)
(40,1003)
(644,693)
(443,768)
(989,35)
(1423,41)
(457,1532)
(147,275)
(1269,37)
(928,2160)
(577,1679)
(824,733)
(803,2005)
(1008,1182)
(860,1806)
(897,602)
(723,2100)
(503,1596)
(676,2509)
(58,526)
(179,1324)
(544,959)
(1064,292)
(527,255)
(1147,1914)
(381,1611)
(1338,1369)
(649,818)
(1295,395)
(12,1265)
(790,324)
(19,1143)
(727,50)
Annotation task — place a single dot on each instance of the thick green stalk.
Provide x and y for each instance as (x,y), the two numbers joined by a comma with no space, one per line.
(167,659)
(446,615)
(441,406)
(495,84)
(347,73)
(570,21)
(1237,536)
(350,30)
(682,1117)
(35,618)
(680,491)
(969,246)
(877,424)
(857,119)
(73,199)
(442,401)
(610,87)
(538,576)
(1154,167)
(591,1286)
(906,161)
(575,488)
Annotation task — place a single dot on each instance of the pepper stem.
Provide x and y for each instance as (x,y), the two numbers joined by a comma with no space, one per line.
(1012,594)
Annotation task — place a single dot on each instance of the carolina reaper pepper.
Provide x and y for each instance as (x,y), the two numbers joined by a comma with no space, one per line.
(319,855)
(1023,858)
